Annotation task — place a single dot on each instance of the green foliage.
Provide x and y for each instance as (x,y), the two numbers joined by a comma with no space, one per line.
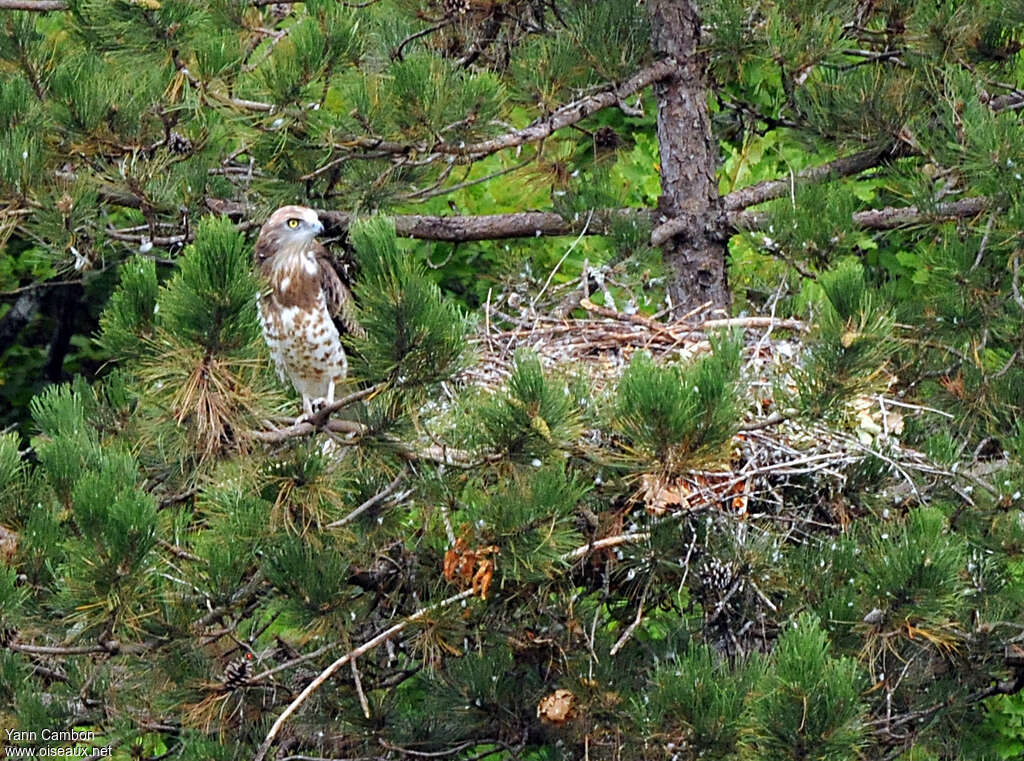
(239,528)
(914,573)
(814,226)
(118,523)
(535,418)
(1004,726)
(67,446)
(132,308)
(808,704)
(11,467)
(434,95)
(309,575)
(414,337)
(674,413)
(211,300)
(12,598)
(852,342)
(612,36)
(700,700)
(532,521)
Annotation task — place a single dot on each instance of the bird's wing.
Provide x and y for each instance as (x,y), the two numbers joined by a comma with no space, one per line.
(340,303)
(264,248)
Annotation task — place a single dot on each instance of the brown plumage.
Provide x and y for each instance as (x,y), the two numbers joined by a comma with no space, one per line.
(304,306)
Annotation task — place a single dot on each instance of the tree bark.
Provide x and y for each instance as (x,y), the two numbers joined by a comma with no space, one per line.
(695,255)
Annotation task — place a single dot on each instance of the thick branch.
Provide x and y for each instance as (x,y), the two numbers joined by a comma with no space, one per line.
(889,218)
(535,224)
(841,167)
(41,6)
(522,224)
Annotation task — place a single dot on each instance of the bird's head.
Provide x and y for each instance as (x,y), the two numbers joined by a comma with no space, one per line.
(294,225)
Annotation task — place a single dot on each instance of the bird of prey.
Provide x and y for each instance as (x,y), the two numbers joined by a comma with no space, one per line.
(304,306)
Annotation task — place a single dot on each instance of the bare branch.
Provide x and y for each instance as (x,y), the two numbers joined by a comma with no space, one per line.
(366,647)
(841,167)
(319,420)
(891,218)
(522,224)
(39,6)
(572,112)
(888,218)
(396,54)
(1009,102)
(567,115)
(376,499)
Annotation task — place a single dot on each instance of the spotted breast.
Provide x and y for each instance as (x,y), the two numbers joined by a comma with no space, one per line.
(302,305)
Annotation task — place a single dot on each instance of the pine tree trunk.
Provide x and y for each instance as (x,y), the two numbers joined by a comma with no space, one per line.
(695,257)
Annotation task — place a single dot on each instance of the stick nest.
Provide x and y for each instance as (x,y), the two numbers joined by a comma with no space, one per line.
(772,454)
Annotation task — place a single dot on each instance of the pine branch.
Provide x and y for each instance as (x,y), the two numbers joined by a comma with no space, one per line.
(461,228)
(320,420)
(366,647)
(565,116)
(39,6)
(387,634)
(888,218)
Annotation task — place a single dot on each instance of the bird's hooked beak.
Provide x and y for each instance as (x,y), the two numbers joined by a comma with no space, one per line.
(318,227)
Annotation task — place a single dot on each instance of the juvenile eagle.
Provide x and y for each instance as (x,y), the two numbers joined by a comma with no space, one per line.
(304,306)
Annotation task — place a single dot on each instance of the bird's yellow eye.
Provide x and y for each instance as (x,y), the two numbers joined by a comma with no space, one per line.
(293,222)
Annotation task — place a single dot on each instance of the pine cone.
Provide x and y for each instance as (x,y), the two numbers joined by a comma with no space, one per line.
(238,672)
(455,7)
(606,138)
(178,143)
(715,577)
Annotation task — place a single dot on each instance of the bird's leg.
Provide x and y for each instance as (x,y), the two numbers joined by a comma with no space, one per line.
(307,411)
(323,401)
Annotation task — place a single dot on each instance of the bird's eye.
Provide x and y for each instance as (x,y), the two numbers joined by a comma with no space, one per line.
(293,222)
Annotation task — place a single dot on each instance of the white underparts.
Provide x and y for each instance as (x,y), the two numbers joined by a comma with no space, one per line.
(309,262)
(304,341)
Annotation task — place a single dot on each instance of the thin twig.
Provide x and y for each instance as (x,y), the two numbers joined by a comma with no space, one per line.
(397,55)
(590,217)
(373,501)
(359,689)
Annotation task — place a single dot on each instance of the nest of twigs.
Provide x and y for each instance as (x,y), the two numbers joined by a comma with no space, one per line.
(773,452)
